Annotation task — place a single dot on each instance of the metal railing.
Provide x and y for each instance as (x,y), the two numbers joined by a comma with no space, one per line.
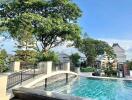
(57,66)
(28,71)
(19,77)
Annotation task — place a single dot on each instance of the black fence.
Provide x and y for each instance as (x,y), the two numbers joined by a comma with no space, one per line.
(57,66)
(19,77)
(28,71)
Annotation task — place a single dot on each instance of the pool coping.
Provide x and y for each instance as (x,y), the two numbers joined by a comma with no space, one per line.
(48,94)
(113,78)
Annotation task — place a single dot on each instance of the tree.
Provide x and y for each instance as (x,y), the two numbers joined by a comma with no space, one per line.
(92,48)
(75,59)
(3,56)
(49,56)
(49,22)
(26,56)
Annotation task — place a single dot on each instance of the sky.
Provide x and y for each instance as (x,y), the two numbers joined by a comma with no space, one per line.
(108,20)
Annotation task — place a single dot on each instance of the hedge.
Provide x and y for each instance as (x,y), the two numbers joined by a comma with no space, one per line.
(87,69)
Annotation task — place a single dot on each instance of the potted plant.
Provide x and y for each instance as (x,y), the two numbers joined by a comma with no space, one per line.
(45,61)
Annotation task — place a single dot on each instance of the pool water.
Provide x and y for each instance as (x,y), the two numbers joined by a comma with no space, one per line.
(96,89)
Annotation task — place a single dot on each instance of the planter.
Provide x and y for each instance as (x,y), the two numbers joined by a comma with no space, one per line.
(130,72)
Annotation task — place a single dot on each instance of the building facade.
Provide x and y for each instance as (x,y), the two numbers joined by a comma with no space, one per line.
(119,61)
(120,53)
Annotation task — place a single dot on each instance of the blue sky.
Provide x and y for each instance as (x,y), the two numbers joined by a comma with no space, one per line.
(108,20)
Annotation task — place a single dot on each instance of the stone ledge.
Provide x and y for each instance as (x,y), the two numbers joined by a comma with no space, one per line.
(34,94)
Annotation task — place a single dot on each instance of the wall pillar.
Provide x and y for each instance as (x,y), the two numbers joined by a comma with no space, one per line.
(3,86)
(77,70)
(16,66)
(66,66)
(46,67)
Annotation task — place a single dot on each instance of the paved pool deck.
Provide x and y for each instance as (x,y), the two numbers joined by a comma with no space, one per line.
(89,74)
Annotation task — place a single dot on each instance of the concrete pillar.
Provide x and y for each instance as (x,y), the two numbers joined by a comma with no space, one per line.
(16,66)
(46,67)
(3,82)
(66,66)
(77,70)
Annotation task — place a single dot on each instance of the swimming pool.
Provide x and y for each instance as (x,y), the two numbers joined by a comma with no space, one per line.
(96,89)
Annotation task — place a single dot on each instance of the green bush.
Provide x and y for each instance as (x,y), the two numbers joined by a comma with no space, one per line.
(3,58)
(110,72)
(48,56)
(87,69)
(75,59)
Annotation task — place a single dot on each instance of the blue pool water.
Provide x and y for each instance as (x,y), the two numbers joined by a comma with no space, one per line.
(96,89)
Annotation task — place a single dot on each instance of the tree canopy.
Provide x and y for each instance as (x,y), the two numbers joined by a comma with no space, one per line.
(92,48)
(49,22)
(26,56)
(75,59)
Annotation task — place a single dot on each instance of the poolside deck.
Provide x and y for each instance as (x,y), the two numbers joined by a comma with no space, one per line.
(89,74)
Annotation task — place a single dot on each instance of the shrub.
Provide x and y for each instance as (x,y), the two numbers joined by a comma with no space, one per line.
(110,72)
(26,56)
(3,62)
(87,69)
(75,59)
(48,56)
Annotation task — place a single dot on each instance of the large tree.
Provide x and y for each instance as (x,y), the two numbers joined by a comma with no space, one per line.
(49,22)
(92,48)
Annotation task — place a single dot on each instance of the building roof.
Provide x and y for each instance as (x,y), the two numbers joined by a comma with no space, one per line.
(116,45)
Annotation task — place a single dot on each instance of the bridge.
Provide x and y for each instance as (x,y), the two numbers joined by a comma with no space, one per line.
(31,77)
(45,77)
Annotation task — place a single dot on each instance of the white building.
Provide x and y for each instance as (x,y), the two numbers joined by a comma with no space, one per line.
(63,57)
(120,57)
(120,53)
(104,60)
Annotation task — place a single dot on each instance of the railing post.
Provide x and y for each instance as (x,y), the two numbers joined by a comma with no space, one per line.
(45,85)
(21,77)
(66,77)
(33,71)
